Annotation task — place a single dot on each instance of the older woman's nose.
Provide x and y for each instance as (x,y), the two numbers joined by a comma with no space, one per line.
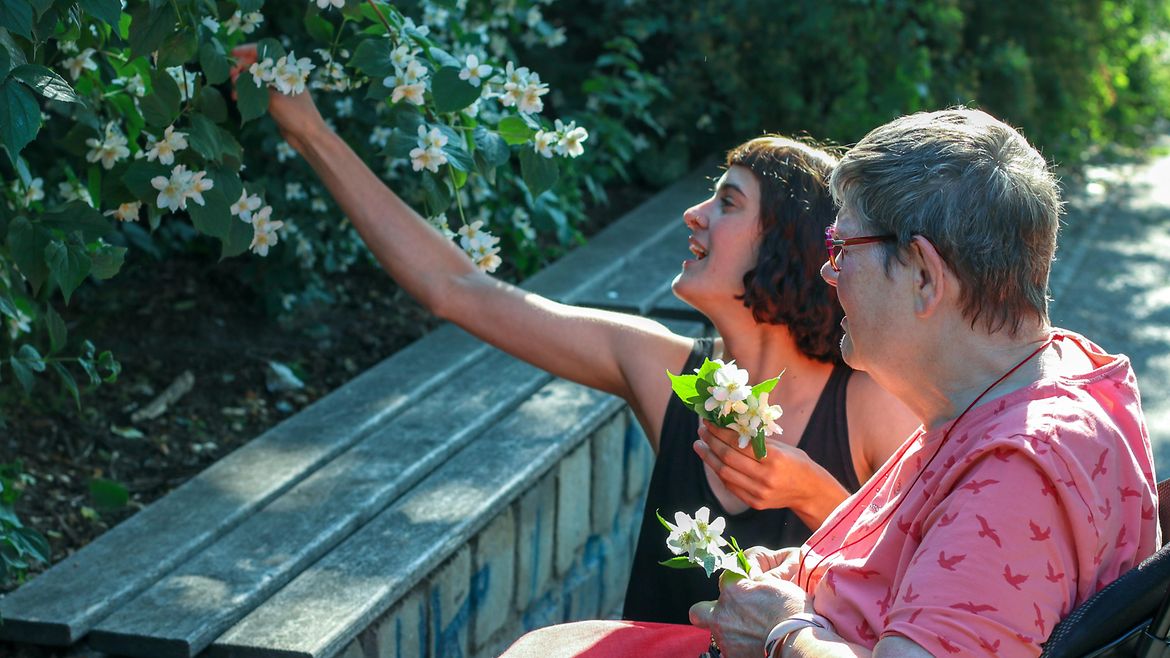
(829,274)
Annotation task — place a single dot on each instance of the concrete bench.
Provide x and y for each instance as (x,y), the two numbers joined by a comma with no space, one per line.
(433,514)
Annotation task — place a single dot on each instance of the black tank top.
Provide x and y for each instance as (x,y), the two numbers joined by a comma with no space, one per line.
(679,484)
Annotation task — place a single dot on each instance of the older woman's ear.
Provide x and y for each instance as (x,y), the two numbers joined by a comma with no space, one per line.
(932,280)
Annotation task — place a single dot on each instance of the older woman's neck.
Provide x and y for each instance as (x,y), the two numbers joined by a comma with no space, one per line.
(969,366)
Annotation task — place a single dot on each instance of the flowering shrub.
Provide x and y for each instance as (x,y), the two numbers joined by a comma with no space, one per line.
(119,135)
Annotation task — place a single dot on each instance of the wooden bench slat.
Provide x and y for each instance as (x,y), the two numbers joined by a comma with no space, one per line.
(330,602)
(119,564)
(184,611)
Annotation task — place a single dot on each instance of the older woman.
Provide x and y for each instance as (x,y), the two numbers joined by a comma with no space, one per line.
(1030,486)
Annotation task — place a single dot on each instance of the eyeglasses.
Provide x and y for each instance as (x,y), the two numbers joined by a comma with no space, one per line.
(835,245)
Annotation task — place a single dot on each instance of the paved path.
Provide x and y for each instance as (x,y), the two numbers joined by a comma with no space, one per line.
(1111,280)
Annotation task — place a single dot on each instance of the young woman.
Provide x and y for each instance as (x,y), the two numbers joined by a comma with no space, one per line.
(758,245)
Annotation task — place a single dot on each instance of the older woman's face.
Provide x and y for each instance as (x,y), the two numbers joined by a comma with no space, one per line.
(725,233)
(868,297)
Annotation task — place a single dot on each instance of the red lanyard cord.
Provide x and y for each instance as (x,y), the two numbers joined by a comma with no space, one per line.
(923,469)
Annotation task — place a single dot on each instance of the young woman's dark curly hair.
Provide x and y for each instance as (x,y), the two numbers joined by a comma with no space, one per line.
(785,287)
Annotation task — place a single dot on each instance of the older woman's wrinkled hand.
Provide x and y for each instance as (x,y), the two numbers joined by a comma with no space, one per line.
(747,610)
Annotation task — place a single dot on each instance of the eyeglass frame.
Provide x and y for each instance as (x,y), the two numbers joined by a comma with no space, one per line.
(832,242)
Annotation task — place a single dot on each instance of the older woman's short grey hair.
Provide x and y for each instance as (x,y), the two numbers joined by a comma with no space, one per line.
(974,187)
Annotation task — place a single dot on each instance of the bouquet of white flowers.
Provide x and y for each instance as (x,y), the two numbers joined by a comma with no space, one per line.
(698,542)
(720,393)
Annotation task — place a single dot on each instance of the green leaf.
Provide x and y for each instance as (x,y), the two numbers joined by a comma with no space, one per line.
(270,48)
(250,5)
(160,107)
(211,104)
(69,265)
(450,93)
(178,49)
(80,218)
(106,261)
(24,363)
(203,136)
(514,130)
(57,331)
(539,173)
(252,100)
(759,448)
(317,27)
(458,157)
(108,494)
(17,16)
(214,62)
(137,179)
(45,82)
(107,11)
(664,522)
(372,57)
(113,368)
(214,217)
(707,370)
(766,386)
(490,148)
(679,562)
(68,382)
(26,245)
(401,143)
(150,27)
(5,63)
(684,387)
(20,116)
(438,197)
(238,239)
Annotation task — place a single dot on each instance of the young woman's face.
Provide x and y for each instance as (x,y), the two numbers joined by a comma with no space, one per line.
(725,234)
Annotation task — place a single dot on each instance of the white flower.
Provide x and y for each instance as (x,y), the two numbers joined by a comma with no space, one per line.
(700,539)
(164,149)
(410,93)
(474,72)
(34,192)
(185,79)
(768,415)
(408,24)
(380,136)
(414,72)
(264,232)
(529,101)
(234,23)
(171,190)
(433,15)
(486,258)
(74,191)
(133,85)
(729,391)
(126,212)
(290,74)
(440,222)
(318,205)
(743,426)
(571,137)
(285,152)
(294,191)
(262,71)
(555,38)
(211,24)
(197,185)
(543,141)
(252,20)
(401,56)
(470,232)
(109,150)
(244,206)
(429,159)
(80,63)
(324,4)
(21,324)
(344,107)
(434,139)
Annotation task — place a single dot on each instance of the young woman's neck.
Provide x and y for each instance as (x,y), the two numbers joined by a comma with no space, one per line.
(765,350)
